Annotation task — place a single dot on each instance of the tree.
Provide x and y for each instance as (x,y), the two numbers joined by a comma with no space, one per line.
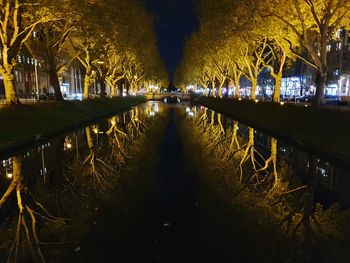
(18,19)
(312,23)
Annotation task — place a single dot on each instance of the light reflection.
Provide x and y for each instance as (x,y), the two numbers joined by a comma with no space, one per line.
(67,143)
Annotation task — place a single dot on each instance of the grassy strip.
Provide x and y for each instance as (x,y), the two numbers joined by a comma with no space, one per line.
(21,124)
(324,130)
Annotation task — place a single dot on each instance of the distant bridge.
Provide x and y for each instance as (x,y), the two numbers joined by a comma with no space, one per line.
(160,96)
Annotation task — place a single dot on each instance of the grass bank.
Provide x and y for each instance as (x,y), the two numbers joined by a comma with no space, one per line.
(21,124)
(324,130)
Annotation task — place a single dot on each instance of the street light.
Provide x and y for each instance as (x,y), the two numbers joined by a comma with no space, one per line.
(36,78)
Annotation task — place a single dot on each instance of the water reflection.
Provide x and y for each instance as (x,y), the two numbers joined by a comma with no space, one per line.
(49,194)
(298,187)
(45,190)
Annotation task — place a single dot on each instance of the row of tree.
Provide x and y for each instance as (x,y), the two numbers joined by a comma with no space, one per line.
(241,38)
(114,38)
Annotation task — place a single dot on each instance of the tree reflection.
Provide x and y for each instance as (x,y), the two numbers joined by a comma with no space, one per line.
(73,185)
(29,210)
(117,141)
(300,201)
(271,183)
(234,146)
(136,126)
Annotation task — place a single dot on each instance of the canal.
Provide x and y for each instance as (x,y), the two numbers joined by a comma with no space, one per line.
(172,183)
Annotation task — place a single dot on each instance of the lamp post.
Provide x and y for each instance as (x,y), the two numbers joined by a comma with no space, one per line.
(36,78)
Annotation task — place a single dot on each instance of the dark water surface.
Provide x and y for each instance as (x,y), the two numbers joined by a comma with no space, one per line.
(171,218)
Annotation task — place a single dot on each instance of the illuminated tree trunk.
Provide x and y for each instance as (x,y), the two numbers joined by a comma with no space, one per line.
(87,82)
(277,72)
(254,83)
(236,79)
(221,84)
(114,89)
(277,90)
(9,79)
(113,86)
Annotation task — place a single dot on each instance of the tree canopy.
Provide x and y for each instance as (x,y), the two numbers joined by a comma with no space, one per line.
(243,38)
(111,39)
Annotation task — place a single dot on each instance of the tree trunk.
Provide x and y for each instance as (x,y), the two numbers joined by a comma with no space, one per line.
(114,89)
(277,91)
(221,84)
(213,89)
(54,80)
(103,87)
(10,90)
(320,85)
(253,89)
(236,83)
(206,91)
(120,88)
(87,81)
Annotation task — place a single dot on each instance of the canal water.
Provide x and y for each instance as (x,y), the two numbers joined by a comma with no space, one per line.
(241,195)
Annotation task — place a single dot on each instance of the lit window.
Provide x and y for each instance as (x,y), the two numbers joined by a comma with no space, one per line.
(328,48)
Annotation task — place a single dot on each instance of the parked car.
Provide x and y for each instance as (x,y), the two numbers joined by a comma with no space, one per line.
(331,100)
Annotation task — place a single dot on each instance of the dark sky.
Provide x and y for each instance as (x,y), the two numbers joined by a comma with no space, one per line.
(174,21)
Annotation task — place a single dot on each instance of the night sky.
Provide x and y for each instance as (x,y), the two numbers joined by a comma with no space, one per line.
(174,21)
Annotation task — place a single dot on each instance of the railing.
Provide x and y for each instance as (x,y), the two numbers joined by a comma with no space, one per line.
(159,96)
